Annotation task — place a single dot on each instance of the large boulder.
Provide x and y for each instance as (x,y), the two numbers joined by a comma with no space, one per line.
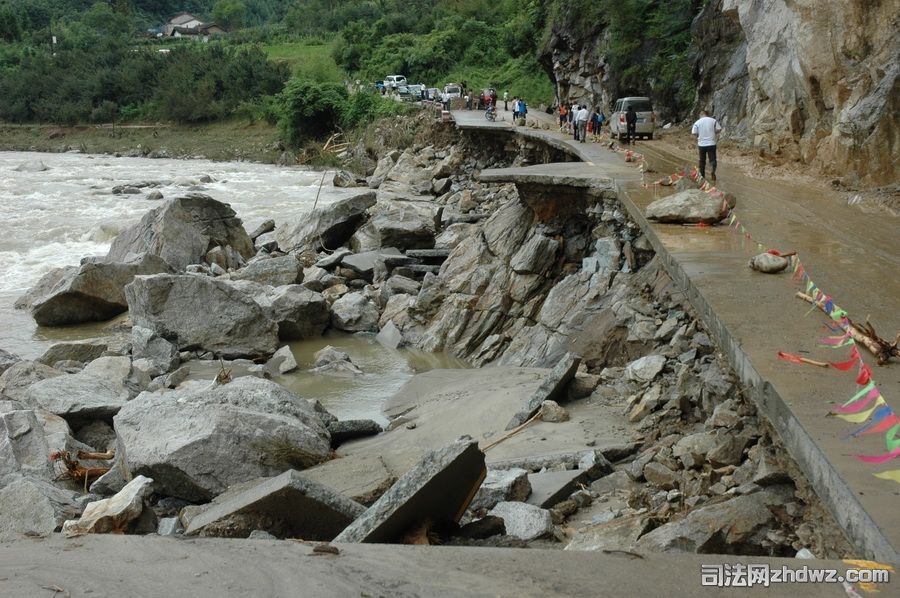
(298,312)
(92,292)
(14,382)
(692,206)
(403,227)
(23,445)
(35,507)
(195,444)
(276,271)
(183,230)
(199,312)
(98,391)
(329,226)
(7,360)
(354,312)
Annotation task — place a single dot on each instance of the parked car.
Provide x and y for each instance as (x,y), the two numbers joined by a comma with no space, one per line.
(452,91)
(488,96)
(645,120)
(417,91)
(394,82)
(379,86)
(433,93)
(405,94)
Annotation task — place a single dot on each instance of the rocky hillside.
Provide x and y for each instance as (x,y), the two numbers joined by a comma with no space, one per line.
(814,81)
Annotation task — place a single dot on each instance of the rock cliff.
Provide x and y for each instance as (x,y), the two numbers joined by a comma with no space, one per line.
(809,81)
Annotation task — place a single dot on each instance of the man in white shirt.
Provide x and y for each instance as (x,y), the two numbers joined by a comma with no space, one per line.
(581,120)
(706,129)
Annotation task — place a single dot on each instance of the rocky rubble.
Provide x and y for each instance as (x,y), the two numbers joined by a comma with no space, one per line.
(655,446)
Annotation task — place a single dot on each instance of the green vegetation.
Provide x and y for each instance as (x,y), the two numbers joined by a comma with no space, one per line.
(279,57)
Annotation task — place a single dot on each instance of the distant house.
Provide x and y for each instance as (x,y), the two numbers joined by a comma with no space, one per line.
(184,24)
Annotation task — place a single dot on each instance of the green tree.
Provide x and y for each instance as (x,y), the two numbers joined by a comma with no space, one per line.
(309,109)
(230,13)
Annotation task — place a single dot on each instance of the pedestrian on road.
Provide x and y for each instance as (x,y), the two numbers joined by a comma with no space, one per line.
(506,101)
(523,109)
(468,102)
(563,116)
(706,129)
(630,125)
(582,121)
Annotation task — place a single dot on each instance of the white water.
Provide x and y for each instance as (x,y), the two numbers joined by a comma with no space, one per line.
(55,217)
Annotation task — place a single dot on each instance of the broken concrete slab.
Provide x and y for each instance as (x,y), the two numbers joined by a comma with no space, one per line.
(550,389)
(439,489)
(621,533)
(502,485)
(363,478)
(551,487)
(289,505)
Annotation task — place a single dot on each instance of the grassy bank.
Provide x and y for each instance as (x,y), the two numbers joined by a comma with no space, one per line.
(229,140)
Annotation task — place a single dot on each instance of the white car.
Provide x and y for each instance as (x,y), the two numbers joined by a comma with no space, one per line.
(392,82)
(452,91)
(645,119)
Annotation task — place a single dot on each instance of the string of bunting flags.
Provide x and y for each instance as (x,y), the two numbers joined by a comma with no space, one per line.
(867,408)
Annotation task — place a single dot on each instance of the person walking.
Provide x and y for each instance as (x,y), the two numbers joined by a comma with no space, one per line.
(706,129)
(630,125)
(523,109)
(506,101)
(563,115)
(582,119)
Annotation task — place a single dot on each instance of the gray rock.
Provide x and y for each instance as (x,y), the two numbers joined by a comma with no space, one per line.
(196,312)
(390,336)
(523,521)
(551,487)
(363,478)
(23,445)
(92,292)
(287,506)
(692,449)
(327,226)
(275,271)
(112,514)
(768,263)
(401,227)
(7,360)
(366,263)
(161,355)
(98,435)
(18,377)
(354,312)
(729,450)
(502,485)
(197,443)
(298,312)
(646,368)
(722,528)
(438,488)
(35,507)
(282,361)
(551,412)
(619,534)
(551,388)
(660,476)
(330,261)
(83,351)
(688,207)
(98,391)
(182,231)
(32,166)
(169,526)
(344,178)
(348,429)
(535,256)
(267,226)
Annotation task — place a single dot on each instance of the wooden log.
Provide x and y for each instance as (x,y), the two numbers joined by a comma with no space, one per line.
(864,335)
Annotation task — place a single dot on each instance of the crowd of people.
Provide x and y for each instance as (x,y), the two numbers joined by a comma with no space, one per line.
(581,122)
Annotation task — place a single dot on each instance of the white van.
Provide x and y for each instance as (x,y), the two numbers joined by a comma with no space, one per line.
(645,119)
(392,82)
(452,91)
